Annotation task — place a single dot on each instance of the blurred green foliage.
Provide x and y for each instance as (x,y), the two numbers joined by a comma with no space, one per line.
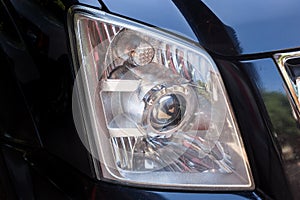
(280,112)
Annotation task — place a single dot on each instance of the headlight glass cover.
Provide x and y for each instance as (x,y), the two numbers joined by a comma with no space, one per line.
(155,107)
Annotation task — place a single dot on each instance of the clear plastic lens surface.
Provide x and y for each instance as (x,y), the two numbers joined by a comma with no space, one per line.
(160,114)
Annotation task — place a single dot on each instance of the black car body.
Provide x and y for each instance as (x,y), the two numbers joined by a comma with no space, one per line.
(42,156)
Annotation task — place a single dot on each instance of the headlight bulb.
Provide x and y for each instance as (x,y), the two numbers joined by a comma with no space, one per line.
(130,46)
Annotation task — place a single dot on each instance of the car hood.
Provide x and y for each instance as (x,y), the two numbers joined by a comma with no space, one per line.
(228,27)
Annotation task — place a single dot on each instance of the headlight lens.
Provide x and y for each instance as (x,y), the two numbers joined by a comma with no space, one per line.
(155,107)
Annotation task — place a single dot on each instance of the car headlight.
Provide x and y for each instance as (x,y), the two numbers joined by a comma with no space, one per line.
(155,107)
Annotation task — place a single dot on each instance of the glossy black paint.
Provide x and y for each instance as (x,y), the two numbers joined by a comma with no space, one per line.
(274,25)
(40,147)
(167,16)
(48,91)
(260,142)
(284,127)
(259,26)
(16,121)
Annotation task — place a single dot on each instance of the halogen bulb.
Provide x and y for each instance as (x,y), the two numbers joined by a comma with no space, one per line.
(125,43)
(131,47)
